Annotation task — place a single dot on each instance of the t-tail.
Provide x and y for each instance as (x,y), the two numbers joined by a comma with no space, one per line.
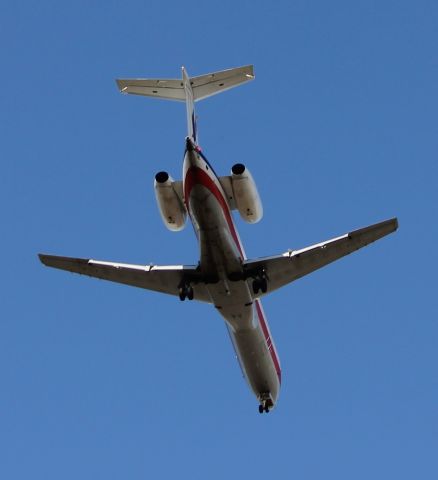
(188,89)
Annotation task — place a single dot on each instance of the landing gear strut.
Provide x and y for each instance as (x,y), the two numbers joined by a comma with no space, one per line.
(185,291)
(260,282)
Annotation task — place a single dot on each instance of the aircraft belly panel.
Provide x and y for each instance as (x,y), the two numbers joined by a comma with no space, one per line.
(256,361)
(219,250)
(221,258)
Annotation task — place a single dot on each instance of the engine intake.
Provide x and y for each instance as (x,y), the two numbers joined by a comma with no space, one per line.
(238,169)
(246,196)
(162,177)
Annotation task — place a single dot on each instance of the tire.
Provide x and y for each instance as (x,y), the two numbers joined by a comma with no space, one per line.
(190,293)
(255,286)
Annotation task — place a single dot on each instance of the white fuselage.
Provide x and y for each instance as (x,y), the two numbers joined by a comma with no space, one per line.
(224,277)
(221,258)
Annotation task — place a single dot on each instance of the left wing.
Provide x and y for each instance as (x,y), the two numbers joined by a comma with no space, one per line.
(283,269)
(163,279)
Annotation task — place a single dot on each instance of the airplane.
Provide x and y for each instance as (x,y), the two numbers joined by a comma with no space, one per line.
(224,276)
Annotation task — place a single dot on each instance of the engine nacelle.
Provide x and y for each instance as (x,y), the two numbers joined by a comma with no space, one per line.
(246,196)
(172,210)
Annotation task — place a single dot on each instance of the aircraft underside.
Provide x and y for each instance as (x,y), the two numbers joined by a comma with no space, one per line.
(224,276)
(221,260)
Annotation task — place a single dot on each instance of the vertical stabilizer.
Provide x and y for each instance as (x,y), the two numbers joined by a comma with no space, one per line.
(190,106)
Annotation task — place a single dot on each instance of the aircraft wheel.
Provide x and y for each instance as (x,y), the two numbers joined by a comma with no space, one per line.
(267,409)
(256,286)
(261,408)
(264,285)
(190,293)
(182,294)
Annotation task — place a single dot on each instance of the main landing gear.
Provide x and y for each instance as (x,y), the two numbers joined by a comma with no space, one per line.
(260,283)
(185,291)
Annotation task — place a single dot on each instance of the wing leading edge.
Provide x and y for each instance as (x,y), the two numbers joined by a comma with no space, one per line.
(283,269)
(280,270)
(163,279)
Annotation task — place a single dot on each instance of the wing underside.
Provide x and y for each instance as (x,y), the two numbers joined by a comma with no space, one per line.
(163,279)
(279,270)
(294,264)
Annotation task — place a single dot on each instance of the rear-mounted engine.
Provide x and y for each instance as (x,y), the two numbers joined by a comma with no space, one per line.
(171,208)
(246,196)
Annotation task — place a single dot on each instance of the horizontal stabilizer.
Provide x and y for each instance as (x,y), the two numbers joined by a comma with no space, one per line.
(164,279)
(294,264)
(213,83)
(203,86)
(168,89)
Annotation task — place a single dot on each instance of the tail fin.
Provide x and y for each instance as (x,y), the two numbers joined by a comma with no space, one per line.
(190,106)
(188,89)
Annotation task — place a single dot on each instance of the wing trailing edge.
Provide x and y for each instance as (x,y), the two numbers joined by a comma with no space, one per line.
(294,264)
(159,278)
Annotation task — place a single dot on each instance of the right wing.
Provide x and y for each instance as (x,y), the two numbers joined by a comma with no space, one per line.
(164,279)
(283,269)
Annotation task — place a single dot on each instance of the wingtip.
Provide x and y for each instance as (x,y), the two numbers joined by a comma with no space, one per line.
(250,75)
(122,88)
(42,257)
(393,222)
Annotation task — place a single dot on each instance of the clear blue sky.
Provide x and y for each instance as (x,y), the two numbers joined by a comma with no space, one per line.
(339,130)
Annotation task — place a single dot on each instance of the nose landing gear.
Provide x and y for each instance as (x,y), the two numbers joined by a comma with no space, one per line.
(265,403)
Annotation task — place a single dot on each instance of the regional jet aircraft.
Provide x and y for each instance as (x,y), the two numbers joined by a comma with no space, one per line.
(223,277)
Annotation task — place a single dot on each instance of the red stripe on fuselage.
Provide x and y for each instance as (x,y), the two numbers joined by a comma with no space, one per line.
(268,339)
(197,176)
